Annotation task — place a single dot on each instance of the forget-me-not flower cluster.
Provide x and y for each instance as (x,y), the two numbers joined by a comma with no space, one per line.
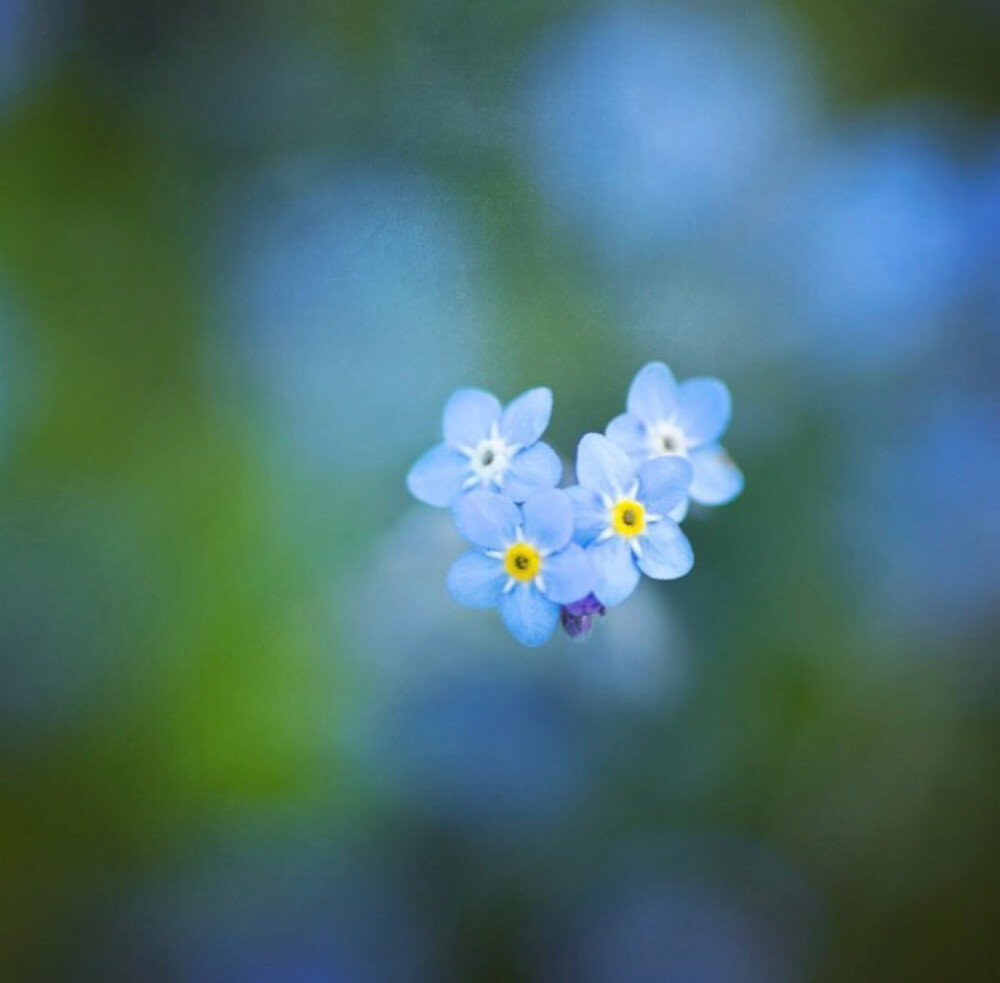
(543,555)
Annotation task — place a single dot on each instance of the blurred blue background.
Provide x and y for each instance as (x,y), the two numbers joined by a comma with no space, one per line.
(246,252)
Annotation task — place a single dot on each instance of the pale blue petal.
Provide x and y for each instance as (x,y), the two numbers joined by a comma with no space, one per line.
(568,575)
(476,580)
(526,417)
(532,470)
(666,552)
(653,393)
(468,416)
(664,482)
(717,479)
(590,514)
(438,476)
(548,519)
(529,617)
(603,466)
(486,519)
(616,571)
(629,433)
(703,410)
(679,512)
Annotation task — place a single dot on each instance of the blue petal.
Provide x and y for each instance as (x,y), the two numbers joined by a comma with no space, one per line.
(603,466)
(629,433)
(486,519)
(666,552)
(679,512)
(568,575)
(704,408)
(532,470)
(468,416)
(548,519)
(653,393)
(616,571)
(526,417)
(717,479)
(529,617)
(476,580)
(590,514)
(438,476)
(664,482)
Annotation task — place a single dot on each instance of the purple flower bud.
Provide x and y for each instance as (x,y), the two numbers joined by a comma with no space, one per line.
(578,618)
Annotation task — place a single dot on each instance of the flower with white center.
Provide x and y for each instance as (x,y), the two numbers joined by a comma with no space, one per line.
(684,420)
(490,448)
(524,561)
(622,516)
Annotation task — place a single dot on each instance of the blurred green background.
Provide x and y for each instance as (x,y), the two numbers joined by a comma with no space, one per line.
(246,252)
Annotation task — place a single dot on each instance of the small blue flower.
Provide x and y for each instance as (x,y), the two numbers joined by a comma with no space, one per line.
(684,420)
(688,108)
(623,516)
(488,447)
(524,561)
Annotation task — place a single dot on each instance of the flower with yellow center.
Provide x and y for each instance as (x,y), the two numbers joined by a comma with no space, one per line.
(622,516)
(628,518)
(522,562)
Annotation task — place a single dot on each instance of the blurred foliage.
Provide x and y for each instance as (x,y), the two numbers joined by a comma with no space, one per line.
(198,704)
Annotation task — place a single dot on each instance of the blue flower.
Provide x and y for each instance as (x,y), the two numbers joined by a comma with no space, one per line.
(686,109)
(524,561)
(33,33)
(622,516)
(686,421)
(488,447)
(877,242)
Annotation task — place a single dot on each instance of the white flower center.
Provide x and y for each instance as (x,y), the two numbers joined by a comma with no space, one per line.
(665,437)
(489,460)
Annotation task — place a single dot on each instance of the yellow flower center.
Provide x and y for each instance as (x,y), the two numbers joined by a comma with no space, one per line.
(628,518)
(522,562)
